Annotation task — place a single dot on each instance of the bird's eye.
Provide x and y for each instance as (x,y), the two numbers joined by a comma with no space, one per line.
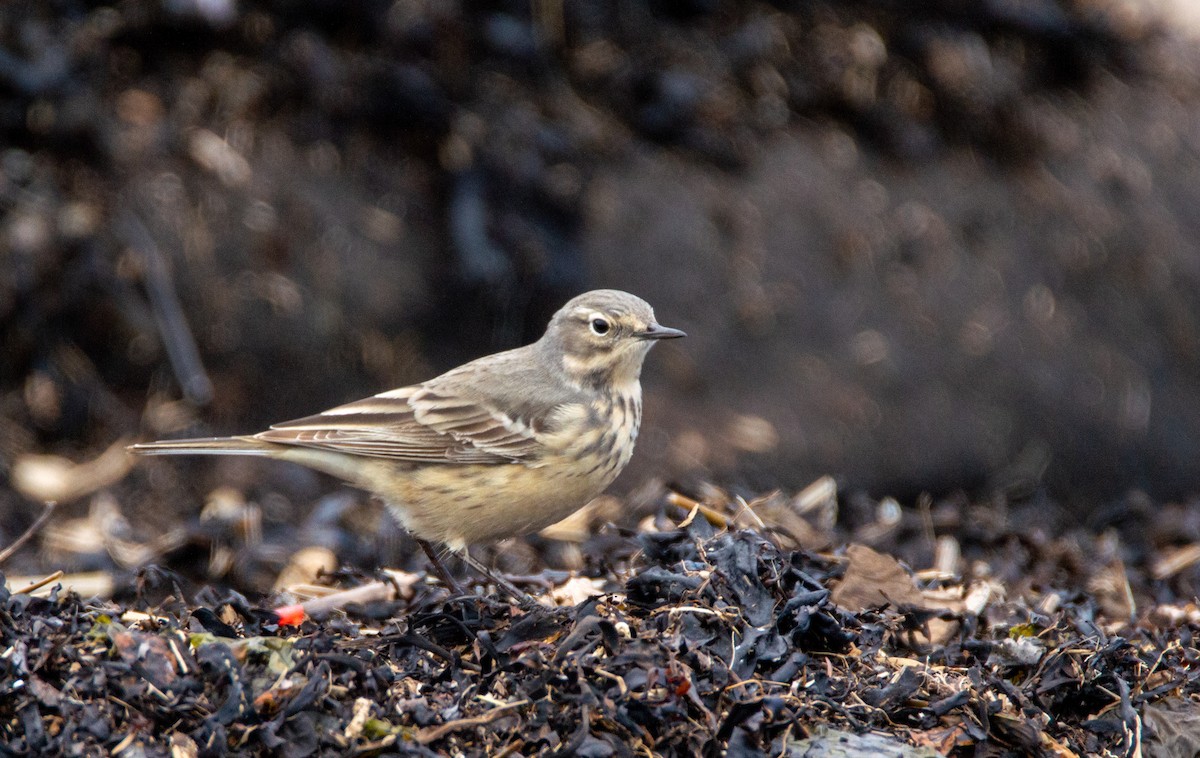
(600,326)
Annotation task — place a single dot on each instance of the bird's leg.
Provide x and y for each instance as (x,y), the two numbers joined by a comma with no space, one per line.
(510,588)
(439,568)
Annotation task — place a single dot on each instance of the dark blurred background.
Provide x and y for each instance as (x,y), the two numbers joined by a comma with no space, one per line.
(931,245)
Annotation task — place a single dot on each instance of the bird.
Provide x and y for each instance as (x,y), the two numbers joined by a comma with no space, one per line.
(498,447)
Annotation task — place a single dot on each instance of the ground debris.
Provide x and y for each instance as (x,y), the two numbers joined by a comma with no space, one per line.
(715,639)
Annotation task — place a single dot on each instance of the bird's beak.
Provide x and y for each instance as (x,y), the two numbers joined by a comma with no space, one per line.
(659,332)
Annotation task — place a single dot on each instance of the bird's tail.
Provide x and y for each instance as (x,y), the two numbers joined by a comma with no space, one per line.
(205,446)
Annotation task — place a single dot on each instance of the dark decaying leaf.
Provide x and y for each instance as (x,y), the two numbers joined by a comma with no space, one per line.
(725,644)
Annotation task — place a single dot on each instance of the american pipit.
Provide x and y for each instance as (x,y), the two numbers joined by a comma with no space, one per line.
(501,446)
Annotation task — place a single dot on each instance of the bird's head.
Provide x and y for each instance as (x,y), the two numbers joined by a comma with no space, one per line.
(602,337)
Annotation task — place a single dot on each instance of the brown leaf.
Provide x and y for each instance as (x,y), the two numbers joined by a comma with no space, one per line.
(874,579)
(148,654)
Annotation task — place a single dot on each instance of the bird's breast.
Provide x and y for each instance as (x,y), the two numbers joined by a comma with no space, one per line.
(599,432)
(626,418)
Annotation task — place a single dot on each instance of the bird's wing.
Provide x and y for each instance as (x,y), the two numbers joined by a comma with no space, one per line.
(418,424)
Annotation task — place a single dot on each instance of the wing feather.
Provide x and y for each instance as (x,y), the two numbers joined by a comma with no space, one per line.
(417,424)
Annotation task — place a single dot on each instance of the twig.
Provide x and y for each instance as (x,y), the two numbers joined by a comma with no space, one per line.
(291,615)
(431,733)
(694,508)
(168,312)
(41,520)
(39,583)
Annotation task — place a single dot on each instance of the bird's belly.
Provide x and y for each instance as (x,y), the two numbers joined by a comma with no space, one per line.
(460,505)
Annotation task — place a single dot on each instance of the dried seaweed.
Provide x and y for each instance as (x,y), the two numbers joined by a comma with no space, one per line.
(718,641)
